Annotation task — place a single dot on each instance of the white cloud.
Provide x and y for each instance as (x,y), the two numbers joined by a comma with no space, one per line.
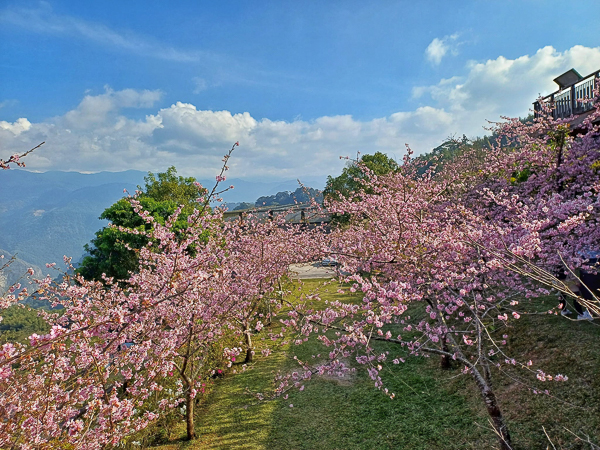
(17,127)
(438,48)
(98,135)
(94,109)
(506,87)
(182,122)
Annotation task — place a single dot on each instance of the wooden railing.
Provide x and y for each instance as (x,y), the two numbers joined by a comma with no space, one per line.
(571,100)
(301,213)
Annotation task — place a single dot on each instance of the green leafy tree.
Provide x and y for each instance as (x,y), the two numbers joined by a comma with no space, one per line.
(168,186)
(350,179)
(113,252)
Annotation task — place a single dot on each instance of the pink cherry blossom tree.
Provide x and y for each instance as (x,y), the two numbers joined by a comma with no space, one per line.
(106,369)
(99,375)
(434,252)
(264,250)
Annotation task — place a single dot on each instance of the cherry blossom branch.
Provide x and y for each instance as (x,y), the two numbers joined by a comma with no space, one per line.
(16,158)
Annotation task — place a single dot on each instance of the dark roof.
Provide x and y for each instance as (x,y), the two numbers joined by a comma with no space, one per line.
(568,78)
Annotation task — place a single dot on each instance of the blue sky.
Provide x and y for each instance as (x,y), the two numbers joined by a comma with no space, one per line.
(147,84)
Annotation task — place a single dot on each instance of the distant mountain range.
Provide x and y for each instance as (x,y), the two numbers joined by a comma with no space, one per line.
(44,216)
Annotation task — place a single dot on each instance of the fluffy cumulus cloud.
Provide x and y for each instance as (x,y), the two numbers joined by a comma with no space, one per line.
(17,127)
(440,47)
(505,87)
(100,134)
(94,136)
(96,109)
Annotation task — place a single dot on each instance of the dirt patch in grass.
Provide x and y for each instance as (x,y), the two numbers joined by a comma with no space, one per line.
(346,380)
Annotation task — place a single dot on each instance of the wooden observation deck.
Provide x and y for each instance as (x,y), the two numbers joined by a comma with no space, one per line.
(575,96)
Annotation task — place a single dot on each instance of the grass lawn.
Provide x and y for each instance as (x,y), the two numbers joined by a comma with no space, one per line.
(433,409)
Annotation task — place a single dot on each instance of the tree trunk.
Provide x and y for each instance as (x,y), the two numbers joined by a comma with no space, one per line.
(249,352)
(189,415)
(493,409)
(189,401)
(445,362)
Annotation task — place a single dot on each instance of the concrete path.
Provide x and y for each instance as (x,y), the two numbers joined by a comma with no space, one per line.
(312,270)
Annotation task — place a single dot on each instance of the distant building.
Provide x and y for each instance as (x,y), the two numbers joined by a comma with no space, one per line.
(574,97)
